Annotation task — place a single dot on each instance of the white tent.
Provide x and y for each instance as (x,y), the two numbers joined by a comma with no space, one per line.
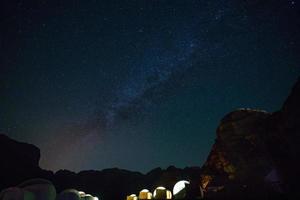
(15,193)
(132,197)
(72,194)
(162,193)
(145,194)
(69,194)
(180,189)
(41,188)
(34,189)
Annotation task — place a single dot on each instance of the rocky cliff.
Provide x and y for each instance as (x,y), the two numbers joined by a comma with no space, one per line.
(19,161)
(255,150)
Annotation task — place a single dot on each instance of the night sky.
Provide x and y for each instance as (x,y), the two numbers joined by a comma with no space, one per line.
(139,84)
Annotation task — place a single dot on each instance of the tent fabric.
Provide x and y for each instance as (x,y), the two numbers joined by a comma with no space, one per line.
(145,194)
(72,194)
(162,193)
(69,194)
(34,189)
(180,189)
(42,189)
(132,197)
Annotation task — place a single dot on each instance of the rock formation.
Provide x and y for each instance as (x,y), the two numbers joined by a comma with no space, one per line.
(19,162)
(257,151)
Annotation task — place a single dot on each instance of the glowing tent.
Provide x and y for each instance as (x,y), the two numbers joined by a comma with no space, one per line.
(145,194)
(72,194)
(41,188)
(81,193)
(162,193)
(132,197)
(15,193)
(180,189)
(69,194)
(87,197)
(34,189)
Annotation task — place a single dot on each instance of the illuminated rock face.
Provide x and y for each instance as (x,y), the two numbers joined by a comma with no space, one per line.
(239,150)
(250,144)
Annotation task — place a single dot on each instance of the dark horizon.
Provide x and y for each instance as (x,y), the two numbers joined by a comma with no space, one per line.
(139,84)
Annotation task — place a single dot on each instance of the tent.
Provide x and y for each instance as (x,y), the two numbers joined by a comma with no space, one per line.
(145,194)
(180,189)
(34,189)
(15,193)
(162,193)
(41,188)
(132,197)
(72,194)
(69,194)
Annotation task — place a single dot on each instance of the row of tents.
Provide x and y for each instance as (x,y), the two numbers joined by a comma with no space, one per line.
(181,190)
(40,189)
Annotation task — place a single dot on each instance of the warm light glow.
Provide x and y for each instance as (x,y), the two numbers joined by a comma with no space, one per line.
(168,194)
(205,180)
(81,193)
(145,194)
(158,188)
(96,198)
(179,186)
(162,193)
(88,197)
(132,197)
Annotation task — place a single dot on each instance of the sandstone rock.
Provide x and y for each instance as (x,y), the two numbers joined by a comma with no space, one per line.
(251,145)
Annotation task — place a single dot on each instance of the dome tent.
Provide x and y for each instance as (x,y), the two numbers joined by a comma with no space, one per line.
(69,194)
(72,194)
(132,197)
(81,193)
(34,189)
(180,189)
(15,193)
(188,190)
(87,197)
(41,188)
(162,193)
(145,194)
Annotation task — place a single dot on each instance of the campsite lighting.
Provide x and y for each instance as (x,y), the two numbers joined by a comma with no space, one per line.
(145,194)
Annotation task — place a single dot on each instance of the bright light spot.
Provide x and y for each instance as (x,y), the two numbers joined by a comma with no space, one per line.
(145,194)
(132,197)
(81,193)
(179,186)
(162,193)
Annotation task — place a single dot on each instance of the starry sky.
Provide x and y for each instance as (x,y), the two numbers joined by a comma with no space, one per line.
(139,84)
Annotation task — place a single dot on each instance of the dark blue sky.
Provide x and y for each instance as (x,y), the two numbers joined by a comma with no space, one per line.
(143,83)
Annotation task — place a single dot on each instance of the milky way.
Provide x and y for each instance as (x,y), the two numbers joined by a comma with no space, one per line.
(139,84)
